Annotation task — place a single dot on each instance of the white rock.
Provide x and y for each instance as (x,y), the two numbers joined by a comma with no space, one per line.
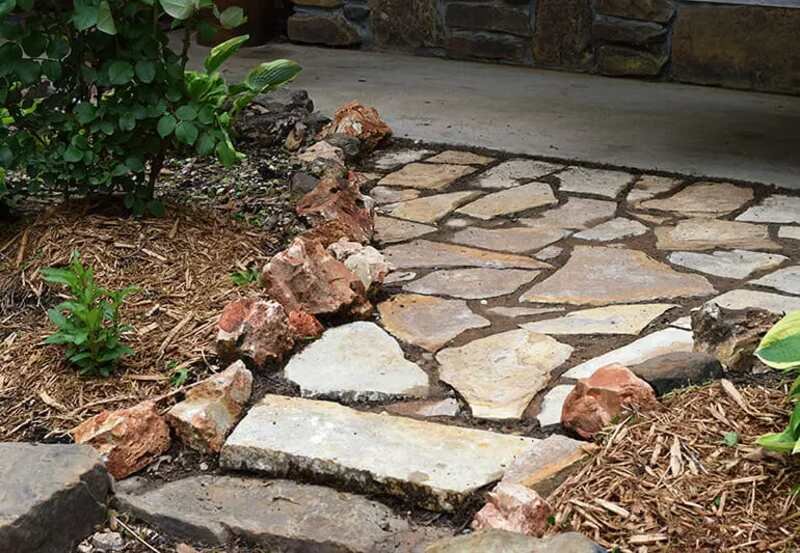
(553,402)
(108,541)
(512,312)
(599,182)
(727,264)
(774,209)
(614,319)
(785,280)
(367,263)
(430,208)
(649,186)
(509,173)
(550,252)
(386,195)
(749,299)
(792,233)
(684,322)
(389,160)
(472,284)
(614,229)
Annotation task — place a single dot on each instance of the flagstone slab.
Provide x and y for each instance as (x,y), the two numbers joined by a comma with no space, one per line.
(552,404)
(792,233)
(784,280)
(511,173)
(649,186)
(727,264)
(512,200)
(389,230)
(448,407)
(774,209)
(615,229)
(756,299)
(704,199)
(390,160)
(397,277)
(652,219)
(542,469)
(421,254)
(575,214)
(598,275)
(614,319)
(426,176)
(434,465)
(499,375)
(472,284)
(457,157)
(600,182)
(356,362)
(512,239)
(712,234)
(430,208)
(385,195)
(665,341)
(684,322)
(514,312)
(427,321)
(548,253)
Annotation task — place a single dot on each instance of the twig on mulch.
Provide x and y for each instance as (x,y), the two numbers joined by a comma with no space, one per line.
(667,481)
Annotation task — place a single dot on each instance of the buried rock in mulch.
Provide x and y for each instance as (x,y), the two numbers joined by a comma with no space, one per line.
(502,541)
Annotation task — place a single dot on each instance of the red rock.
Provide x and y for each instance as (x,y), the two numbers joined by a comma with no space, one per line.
(211,409)
(514,508)
(305,325)
(366,262)
(597,400)
(336,199)
(129,439)
(254,330)
(305,277)
(328,233)
(355,119)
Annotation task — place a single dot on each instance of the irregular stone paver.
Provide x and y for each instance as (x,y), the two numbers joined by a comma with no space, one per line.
(509,173)
(704,199)
(538,468)
(457,222)
(599,182)
(430,208)
(357,361)
(755,299)
(652,219)
(684,322)
(500,374)
(472,284)
(218,509)
(501,541)
(550,252)
(456,157)
(774,209)
(664,341)
(389,230)
(399,276)
(553,402)
(733,264)
(513,312)
(426,321)
(422,254)
(711,234)
(784,280)
(614,319)
(426,408)
(792,233)
(615,229)
(513,200)
(386,195)
(649,186)
(51,496)
(576,214)
(513,239)
(599,276)
(389,160)
(436,465)
(426,176)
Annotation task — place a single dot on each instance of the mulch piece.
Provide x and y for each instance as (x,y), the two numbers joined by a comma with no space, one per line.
(667,481)
(181,265)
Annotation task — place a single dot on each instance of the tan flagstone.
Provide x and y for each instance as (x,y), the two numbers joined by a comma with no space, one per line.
(457,157)
(513,200)
(430,208)
(513,312)
(703,199)
(421,254)
(499,375)
(387,161)
(389,230)
(426,176)
(792,233)
(511,173)
(550,252)
(649,186)
(614,319)
(386,195)
(756,299)
(472,284)
(727,264)
(712,234)
(615,229)
(575,213)
(513,239)
(600,182)
(604,275)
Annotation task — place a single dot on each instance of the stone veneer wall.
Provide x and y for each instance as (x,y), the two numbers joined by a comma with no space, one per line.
(737,46)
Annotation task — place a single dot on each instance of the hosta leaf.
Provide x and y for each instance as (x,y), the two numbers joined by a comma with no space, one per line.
(221,52)
(232,17)
(178,9)
(780,348)
(105,19)
(270,75)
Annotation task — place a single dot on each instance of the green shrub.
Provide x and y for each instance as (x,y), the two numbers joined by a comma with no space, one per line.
(89,322)
(780,349)
(93,99)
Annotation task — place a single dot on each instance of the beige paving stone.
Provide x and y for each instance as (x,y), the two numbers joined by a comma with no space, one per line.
(787,232)
(553,402)
(649,186)
(389,230)
(514,312)
(457,157)
(727,264)
(511,239)
(750,299)
(396,277)
(499,375)
(422,254)
(430,208)
(712,234)
(472,284)
(652,219)
(614,319)
(386,195)
(427,321)
(541,466)
(774,209)
(426,176)
(511,173)
(599,182)
(597,275)
(548,253)
(704,199)
(615,229)
(784,280)
(575,214)
(513,200)
(387,161)
(426,408)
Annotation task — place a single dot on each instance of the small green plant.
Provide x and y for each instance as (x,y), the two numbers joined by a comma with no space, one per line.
(245,278)
(780,349)
(89,322)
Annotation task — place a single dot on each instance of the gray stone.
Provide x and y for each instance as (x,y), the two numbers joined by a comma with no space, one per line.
(426,408)
(472,284)
(612,230)
(488,46)
(563,33)
(501,541)
(51,496)
(509,239)
(548,253)
(321,29)
(552,404)
(388,161)
(544,467)
(513,312)
(684,322)
(600,182)
(746,299)
(488,17)
(386,195)
(426,176)
(434,465)
(458,157)
(389,230)
(422,254)
(512,200)
(785,280)
(712,234)
(511,173)
(727,264)
(647,10)
(614,29)
(357,362)
(704,199)
(406,24)
(614,319)
(622,61)
(677,370)
(399,276)
(649,186)
(774,209)
(430,208)
(274,513)
(108,541)
(790,233)
(575,213)
(355,12)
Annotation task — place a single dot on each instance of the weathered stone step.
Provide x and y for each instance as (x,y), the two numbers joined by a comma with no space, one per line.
(277,514)
(437,466)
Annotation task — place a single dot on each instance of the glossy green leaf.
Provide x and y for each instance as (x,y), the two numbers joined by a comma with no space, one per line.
(105,19)
(120,72)
(85,113)
(186,132)
(186,113)
(166,125)
(72,154)
(85,15)
(145,71)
